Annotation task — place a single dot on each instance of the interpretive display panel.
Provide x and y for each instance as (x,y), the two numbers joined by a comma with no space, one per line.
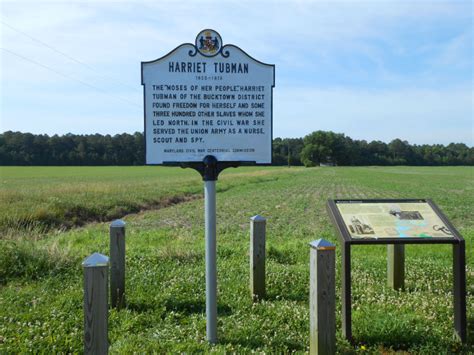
(392,220)
(396,222)
(208,99)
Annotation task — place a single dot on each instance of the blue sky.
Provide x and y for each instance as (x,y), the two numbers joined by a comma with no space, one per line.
(374,70)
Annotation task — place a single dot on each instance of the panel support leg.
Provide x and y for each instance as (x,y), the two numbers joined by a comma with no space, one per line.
(396,266)
(346,291)
(459,280)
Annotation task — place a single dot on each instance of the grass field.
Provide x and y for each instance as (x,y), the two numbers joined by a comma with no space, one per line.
(52,218)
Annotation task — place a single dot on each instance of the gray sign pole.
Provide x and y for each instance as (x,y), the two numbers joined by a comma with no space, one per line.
(211,274)
(209,170)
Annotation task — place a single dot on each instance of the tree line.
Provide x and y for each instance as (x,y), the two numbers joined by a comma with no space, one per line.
(331,148)
(320,147)
(18,148)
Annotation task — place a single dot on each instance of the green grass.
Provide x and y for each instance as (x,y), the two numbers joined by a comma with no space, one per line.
(41,198)
(41,276)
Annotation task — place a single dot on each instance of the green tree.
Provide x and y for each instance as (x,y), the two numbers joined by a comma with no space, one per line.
(324,147)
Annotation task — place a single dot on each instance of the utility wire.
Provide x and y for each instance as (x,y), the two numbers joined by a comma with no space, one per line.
(70,77)
(66,55)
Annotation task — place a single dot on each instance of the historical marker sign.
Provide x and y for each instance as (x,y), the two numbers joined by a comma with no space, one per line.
(208,99)
(208,107)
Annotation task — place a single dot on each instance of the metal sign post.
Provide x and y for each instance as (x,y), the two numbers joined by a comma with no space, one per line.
(209,170)
(211,271)
(208,106)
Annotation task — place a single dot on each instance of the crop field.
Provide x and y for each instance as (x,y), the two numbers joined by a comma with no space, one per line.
(52,218)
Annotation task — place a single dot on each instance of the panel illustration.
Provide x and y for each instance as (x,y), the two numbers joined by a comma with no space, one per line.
(392,220)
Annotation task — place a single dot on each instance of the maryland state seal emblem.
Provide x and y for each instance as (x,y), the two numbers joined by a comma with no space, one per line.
(208,43)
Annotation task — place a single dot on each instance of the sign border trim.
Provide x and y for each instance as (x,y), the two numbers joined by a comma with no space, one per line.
(225,55)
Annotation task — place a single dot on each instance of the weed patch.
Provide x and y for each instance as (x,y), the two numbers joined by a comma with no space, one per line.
(26,261)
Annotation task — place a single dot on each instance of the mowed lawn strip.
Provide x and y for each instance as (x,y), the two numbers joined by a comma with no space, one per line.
(41,308)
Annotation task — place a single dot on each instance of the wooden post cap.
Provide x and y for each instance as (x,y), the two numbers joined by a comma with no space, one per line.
(258,218)
(118,223)
(322,244)
(95,260)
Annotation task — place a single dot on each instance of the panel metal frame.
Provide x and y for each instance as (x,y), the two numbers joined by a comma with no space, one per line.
(459,260)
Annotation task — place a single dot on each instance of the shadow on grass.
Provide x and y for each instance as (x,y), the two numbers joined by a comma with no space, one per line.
(141,307)
(177,306)
(193,307)
(470,332)
(254,341)
(287,296)
(246,342)
(396,340)
(401,335)
(282,256)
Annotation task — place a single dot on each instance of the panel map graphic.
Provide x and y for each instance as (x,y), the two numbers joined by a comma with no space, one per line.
(392,220)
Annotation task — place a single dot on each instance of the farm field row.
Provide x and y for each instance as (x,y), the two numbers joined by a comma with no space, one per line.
(41,198)
(42,245)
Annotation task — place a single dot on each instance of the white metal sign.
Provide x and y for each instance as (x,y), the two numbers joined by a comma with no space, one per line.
(208,99)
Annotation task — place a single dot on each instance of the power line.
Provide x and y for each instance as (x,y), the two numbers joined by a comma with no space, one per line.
(66,55)
(69,77)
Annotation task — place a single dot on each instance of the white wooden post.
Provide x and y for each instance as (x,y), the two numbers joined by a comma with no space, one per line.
(117,264)
(396,266)
(257,257)
(95,304)
(322,298)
